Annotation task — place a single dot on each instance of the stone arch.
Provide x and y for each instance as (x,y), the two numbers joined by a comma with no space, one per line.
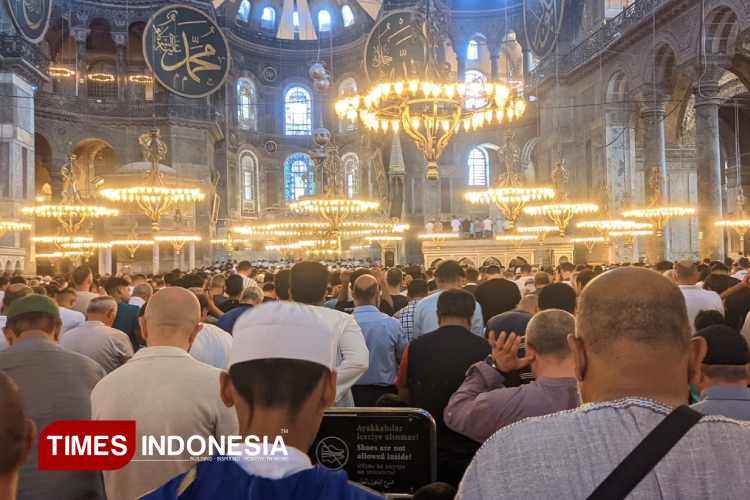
(527,164)
(617,88)
(721,29)
(8,266)
(492,261)
(466,261)
(435,263)
(18,266)
(97,158)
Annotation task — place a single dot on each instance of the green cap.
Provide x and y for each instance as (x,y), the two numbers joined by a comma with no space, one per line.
(33,304)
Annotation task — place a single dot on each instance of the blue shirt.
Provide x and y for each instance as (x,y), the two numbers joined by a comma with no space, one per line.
(731,401)
(126,321)
(227,321)
(425,317)
(386,342)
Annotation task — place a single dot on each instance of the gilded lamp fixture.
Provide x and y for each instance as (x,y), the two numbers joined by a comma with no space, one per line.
(517,240)
(6,226)
(561,209)
(153,197)
(606,224)
(71,213)
(178,239)
(589,241)
(438,235)
(658,212)
(510,196)
(132,242)
(541,232)
(431,107)
(740,223)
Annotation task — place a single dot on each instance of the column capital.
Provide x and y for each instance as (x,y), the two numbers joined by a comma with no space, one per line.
(80,34)
(121,39)
(653,101)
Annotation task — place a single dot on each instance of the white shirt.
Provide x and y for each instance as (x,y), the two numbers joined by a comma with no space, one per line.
(455,225)
(740,275)
(487,225)
(698,299)
(136,301)
(273,469)
(167,393)
(3,341)
(247,282)
(352,356)
(109,347)
(525,283)
(430,227)
(212,346)
(70,319)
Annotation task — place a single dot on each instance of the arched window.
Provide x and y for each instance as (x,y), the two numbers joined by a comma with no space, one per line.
(324,20)
(299,171)
(347,15)
(268,18)
(247,101)
(248,182)
(473,100)
(297,111)
(472,54)
(351,174)
(478,166)
(295,21)
(243,12)
(348,87)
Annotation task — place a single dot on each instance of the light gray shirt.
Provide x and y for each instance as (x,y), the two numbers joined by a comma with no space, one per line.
(109,347)
(56,384)
(167,393)
(82,301)
(568,454)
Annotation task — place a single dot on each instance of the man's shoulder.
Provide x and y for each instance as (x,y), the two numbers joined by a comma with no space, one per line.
(70,313)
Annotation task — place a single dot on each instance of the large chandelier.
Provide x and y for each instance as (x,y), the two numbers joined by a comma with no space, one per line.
(6,226)
(431,108)
(606,224)
(153,197)
(229,243)
(561,210)
(132,242)
(71,213)
(541,232)
(510,196)
(517,240)
(86,249)
(589,241)
(178,239)
(438,234)
(740,223)
(658,212)
(630,235)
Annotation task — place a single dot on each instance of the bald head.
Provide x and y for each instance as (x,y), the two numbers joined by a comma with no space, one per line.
(365,291)
(685,273)
(172,318)
(632,309)
(16,431)
(13,292)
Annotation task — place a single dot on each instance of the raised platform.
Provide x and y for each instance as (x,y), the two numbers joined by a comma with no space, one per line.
(483,252)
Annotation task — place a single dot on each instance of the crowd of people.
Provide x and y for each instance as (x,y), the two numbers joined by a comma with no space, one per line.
(468,228)
(541,381)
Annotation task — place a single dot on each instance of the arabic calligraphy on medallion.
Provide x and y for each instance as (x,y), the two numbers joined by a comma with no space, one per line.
(542,21)
(392,51)
(31,17)
(186,51)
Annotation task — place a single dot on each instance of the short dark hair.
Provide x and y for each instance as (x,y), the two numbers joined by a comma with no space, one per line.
(450,271)
(4,280)
(64,291)
(472,275)
(567,267)
(269,287)
(493,270)
(704,319)
(525,268)
(391,401)
(309,282)
(394,276)
(80,274)
(25,322)
(234,285)
(139,276)
(664,265)
(193,281)
(743,262)
(456,304)
(202,300)
(169,278)
(114,283)
(718,266)
(244,266)
(9,297)
(417,289)
(277,383)
(558,296)
(39,290)
(435,491)
(283,283)
(719,283)
(584,277)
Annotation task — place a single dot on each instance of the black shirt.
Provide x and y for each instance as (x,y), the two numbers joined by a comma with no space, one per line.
(399,302)
(229,305)
(497,296)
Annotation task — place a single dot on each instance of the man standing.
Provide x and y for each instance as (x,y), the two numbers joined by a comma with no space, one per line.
(455,225)
(565,272)
(66,298)
(430,226)
(245,269)
(478,228)
(393,279)
(81,280)
(185,402)
(352,359)
(466,227)
(234,291)
(385,341)
(525,282)
(212,345)
(541,280)
(56,384)
(250,297)
(487,225)
(484,405)
(416,291)
(217,286)
(127,315)
(142,292)
(634,358)
(723,377)
(697,299)
(472,276)
(97,339)
(496,295)
(433,368)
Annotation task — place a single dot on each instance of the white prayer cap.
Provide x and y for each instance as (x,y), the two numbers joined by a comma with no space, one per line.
(282,330)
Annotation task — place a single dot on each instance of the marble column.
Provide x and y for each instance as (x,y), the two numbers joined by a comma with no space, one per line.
(181,261)
(461,66)
(155,258)
(494,48)
(102,262)
(107,260)
(653,112)
(708,163)
(121,40)
(80,35)
(526,64)
(191,255)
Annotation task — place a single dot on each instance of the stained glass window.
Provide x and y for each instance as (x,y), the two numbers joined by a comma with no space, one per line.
(324,20)
(298,111)
(268,18)
(248,181)
(351,174)
(247,101)
(478,164)
(299,173)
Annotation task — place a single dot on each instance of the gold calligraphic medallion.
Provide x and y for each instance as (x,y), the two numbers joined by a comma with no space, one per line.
(542,20)
(393,52)
(31,17)
(186,51)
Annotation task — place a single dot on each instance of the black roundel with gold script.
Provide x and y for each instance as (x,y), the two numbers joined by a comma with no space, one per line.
(186,51)
(393,51)
(542,22)
(31,17)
